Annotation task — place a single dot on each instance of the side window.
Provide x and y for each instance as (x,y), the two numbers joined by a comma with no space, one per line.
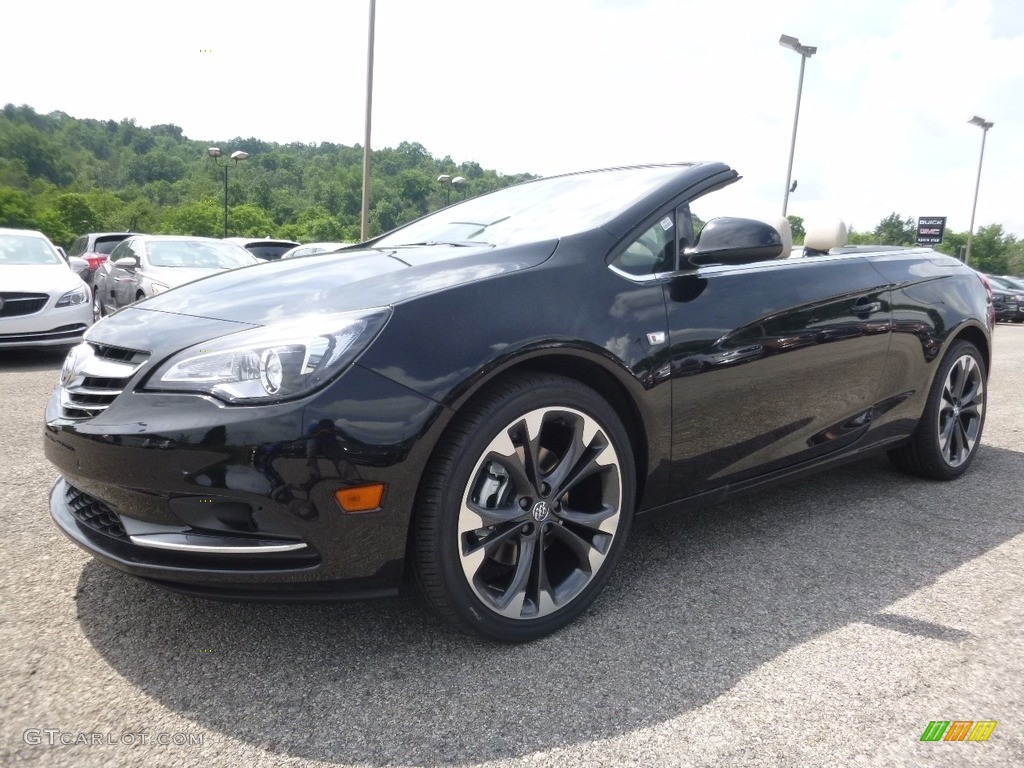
(655,249)
(122,251)
(78,247)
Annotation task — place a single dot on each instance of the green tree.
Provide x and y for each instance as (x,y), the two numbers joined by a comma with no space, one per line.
(892,230)
(796,226)
(202,217)
(37,150)
(1015,259)
(989,249)
(249,220)
(16,209)
(953,244)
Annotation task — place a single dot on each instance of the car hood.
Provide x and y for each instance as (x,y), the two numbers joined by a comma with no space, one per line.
(340,282)
(285,290)
(38,278)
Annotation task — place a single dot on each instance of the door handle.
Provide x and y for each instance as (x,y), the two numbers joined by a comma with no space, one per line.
(866,308)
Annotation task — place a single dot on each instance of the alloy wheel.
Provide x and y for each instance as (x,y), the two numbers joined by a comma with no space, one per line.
(540,512)
(960,410)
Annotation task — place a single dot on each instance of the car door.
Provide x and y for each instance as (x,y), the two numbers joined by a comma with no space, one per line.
(772,364)
(123,261)
(102,281)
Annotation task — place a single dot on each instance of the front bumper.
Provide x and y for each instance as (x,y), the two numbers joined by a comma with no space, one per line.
(49,327)
(239,502)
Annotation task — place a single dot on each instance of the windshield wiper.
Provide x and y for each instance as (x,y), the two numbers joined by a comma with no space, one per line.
(453,243)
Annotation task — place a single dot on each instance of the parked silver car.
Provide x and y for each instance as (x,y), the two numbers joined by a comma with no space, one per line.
(145,265)
(43,303)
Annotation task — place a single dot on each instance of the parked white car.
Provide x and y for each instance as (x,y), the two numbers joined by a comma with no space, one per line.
(43,303)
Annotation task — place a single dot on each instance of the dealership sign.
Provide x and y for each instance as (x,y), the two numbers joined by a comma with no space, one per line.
(930,230)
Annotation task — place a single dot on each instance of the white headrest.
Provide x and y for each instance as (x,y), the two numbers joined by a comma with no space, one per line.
(825,237)
(781,224)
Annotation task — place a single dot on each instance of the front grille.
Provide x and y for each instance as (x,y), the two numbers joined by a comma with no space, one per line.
(17,304)
(120,354)
(99,373)
(93,513)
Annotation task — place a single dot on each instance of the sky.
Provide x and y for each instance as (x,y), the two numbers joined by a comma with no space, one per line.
(550,86)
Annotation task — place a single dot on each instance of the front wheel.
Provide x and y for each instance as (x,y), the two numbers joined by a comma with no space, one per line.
(97,307)
(947,437)
(524,508)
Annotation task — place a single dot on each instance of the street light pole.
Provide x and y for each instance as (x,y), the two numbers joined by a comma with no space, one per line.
(364,218)
(448,182)
(215,154)
(805,51)
(984,125)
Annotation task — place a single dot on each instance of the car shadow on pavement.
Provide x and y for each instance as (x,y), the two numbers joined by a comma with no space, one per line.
(33,359)
(698,602)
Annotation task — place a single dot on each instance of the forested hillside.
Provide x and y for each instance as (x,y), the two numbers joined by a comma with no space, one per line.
(66,176)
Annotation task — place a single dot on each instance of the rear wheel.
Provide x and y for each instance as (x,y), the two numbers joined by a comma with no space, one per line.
(948,435)
(524,509)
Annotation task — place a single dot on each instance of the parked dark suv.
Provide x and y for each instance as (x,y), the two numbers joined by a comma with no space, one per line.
(94,248)
(1013,302)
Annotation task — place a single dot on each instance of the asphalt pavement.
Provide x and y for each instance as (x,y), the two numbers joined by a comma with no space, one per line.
(822,623)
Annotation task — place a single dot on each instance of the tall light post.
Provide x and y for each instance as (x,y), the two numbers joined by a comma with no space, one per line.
(364,218)
(448,182)
(238,156)
(805,51)
(984,125)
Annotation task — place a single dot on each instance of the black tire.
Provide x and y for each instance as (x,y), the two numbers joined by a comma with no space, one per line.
(523,509)
(97,307)
(947,437)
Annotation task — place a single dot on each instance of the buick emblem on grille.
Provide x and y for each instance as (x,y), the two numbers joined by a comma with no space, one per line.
(75,362)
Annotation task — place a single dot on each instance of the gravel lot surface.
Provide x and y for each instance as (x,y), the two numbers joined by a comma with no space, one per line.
(823,623)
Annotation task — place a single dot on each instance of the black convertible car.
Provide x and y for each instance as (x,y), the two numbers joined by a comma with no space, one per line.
(483,399)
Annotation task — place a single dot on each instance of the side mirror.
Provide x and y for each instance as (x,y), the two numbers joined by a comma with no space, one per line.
(734,241)
(79,266)
(128,262)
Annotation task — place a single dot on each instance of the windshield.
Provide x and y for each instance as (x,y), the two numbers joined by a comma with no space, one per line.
(105,245)
(536,210)
(197,254)
(1013,282)
(26,249)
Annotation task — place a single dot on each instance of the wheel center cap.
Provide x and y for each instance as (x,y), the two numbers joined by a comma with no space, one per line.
(540,511)
(956,411)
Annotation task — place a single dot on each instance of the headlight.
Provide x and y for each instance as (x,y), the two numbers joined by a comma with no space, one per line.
(155,288)
(272,363)
(73,298)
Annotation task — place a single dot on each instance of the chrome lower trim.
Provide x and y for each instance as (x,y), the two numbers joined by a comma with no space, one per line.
(183,542)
